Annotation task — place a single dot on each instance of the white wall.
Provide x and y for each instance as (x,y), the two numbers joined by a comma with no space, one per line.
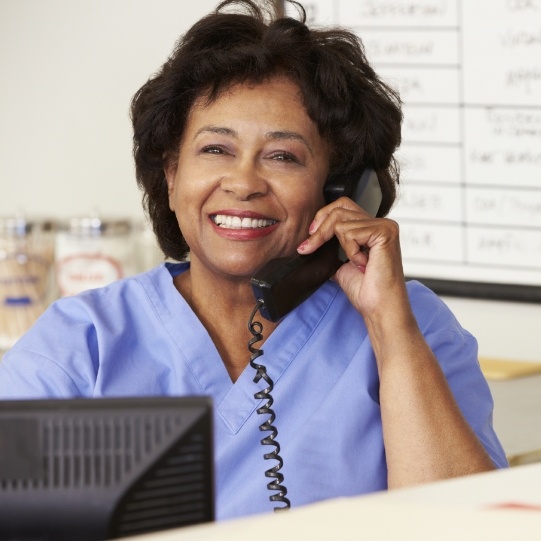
(503,329)
(68,69)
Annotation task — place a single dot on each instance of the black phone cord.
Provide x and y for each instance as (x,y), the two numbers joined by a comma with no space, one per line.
(274,473)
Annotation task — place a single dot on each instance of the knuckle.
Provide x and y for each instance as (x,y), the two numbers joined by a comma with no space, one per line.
(393,226)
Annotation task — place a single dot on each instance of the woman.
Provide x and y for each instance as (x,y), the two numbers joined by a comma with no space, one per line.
(376,385)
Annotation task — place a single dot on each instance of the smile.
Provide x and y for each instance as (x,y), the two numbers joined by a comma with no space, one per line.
(235,222)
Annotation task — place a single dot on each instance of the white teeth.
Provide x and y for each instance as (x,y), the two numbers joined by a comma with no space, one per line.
(235,222)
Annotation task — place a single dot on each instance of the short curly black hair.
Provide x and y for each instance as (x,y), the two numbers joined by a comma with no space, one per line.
(244,41)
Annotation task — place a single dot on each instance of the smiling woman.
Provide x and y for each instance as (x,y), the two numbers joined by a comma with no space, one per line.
(262,161)
(253,157)
(236,138)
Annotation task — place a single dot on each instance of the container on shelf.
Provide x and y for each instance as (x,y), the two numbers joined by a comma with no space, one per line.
(26,264)
(92,252)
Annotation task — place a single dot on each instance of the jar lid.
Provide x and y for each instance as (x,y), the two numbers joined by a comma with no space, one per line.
(18,226)
(91,226)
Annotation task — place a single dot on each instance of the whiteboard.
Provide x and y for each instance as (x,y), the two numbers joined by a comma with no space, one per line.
(469,74)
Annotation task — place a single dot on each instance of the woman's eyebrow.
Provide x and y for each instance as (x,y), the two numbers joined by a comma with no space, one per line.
(289,135)
(222,130)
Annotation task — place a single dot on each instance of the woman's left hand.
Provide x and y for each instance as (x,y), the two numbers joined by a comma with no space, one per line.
(373,279)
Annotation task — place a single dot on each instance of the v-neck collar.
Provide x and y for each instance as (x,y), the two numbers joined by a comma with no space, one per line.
(234,401)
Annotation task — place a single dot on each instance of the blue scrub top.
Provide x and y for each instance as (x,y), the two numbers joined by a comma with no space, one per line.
(138,337)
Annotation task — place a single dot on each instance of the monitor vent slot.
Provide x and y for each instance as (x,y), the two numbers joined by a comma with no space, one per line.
(173,494)
(93,452)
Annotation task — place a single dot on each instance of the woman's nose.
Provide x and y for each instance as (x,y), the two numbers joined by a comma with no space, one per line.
(244,182)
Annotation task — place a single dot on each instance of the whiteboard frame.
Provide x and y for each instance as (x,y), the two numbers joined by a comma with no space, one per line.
(482,290)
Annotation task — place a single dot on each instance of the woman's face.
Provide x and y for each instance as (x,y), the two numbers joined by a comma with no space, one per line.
(249,177)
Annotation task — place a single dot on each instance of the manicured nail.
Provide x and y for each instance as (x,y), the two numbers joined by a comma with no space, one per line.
(312,227)
(302,246)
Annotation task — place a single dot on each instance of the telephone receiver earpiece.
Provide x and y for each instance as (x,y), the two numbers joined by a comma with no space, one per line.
(362,186)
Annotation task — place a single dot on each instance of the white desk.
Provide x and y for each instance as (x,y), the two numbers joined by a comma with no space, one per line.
(456,510)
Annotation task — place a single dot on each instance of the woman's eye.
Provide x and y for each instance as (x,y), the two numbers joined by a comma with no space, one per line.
(285,157)
(212,149)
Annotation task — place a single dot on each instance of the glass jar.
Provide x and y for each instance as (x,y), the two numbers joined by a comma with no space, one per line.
(26,263)
(92,252)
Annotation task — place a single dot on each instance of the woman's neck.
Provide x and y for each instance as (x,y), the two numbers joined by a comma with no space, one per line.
(224,308)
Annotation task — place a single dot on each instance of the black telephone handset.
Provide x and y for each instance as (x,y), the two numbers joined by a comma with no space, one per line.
(285,282)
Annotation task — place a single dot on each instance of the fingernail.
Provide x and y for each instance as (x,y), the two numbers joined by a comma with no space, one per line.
(312,227)
(302,246)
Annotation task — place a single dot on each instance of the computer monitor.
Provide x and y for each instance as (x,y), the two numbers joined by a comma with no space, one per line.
(103,468)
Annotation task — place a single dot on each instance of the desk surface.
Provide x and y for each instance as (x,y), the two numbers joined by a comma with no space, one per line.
(465,509)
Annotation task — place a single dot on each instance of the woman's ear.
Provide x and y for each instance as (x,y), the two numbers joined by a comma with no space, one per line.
(170,171)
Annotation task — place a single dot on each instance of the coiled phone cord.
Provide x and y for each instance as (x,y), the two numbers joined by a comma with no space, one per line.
(274,473)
